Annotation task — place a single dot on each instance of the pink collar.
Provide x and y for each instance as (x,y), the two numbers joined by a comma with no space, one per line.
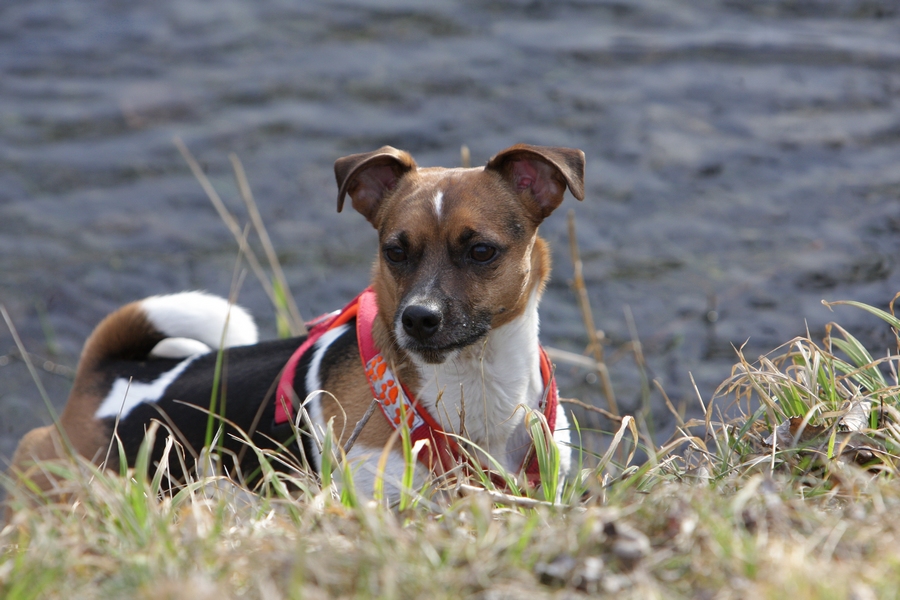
(442,453)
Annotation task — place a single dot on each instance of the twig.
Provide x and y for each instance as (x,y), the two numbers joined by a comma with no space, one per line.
(465,157)
(587,406)
(359,426)
(588,317)
(501,498)
(37,381)
(115,435)
(678,419)
(641,363)
(233,226)
(48,365)
(627,423)
(260,227)
(578,360)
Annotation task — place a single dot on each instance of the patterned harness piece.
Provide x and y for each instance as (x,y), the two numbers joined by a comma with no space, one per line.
(442,452)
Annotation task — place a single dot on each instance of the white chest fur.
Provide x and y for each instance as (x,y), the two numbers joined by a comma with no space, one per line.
(489,385)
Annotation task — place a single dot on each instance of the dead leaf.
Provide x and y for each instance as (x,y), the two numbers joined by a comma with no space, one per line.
(856,417)
(853,445)
(793,432)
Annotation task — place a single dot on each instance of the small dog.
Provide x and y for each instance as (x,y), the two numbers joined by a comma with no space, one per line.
(446,338)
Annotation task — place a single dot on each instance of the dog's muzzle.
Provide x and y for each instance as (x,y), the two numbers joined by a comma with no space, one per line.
(432,329)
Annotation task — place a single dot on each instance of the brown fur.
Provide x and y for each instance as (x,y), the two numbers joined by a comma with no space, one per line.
(347,404)
(126,332)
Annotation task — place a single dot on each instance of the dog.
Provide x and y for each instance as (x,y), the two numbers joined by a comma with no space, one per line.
(445,339)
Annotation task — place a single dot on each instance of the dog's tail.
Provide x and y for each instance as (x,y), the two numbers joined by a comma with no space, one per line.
(174,326)
(171,326)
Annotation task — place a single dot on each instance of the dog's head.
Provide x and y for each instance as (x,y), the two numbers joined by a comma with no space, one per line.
(458,255)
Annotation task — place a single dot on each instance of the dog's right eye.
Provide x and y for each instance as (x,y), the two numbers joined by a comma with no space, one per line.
(482,253)
(395,254)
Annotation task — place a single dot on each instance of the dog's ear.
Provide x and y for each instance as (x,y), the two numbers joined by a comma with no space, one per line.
(540,174)
(367,177)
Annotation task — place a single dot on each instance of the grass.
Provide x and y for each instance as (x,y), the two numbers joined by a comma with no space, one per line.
(646,531)
(786,489)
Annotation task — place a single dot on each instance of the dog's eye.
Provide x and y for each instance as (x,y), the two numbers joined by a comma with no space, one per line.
(395,254)
(482,253)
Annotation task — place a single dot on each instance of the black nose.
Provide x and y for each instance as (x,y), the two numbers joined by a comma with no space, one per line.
(421,322)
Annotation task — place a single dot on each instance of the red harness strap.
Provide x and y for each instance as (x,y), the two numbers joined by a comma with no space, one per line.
(442,452)
(395,400)
(284,407)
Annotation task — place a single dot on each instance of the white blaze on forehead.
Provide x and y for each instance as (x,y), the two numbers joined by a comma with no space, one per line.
(438,199)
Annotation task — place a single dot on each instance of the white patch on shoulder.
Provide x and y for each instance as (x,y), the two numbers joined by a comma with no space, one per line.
(124,397)
(202,317)
(313,402)
(179,347)
(438,200)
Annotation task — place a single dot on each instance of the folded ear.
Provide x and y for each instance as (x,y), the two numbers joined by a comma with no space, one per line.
(540,174)
(367,177)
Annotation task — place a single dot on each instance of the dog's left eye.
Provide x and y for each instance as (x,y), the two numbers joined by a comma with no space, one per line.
(395,254)
(482,253)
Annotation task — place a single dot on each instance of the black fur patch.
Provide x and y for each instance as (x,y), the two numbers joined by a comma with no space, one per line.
(247,391)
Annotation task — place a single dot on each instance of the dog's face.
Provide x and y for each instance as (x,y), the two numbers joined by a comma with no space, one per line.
(455,259)
(457,246)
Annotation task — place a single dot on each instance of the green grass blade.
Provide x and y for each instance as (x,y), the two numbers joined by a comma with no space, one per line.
(883,315)
(280,300)
(349,497)
(327,462)
(862,368)
(547,453)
